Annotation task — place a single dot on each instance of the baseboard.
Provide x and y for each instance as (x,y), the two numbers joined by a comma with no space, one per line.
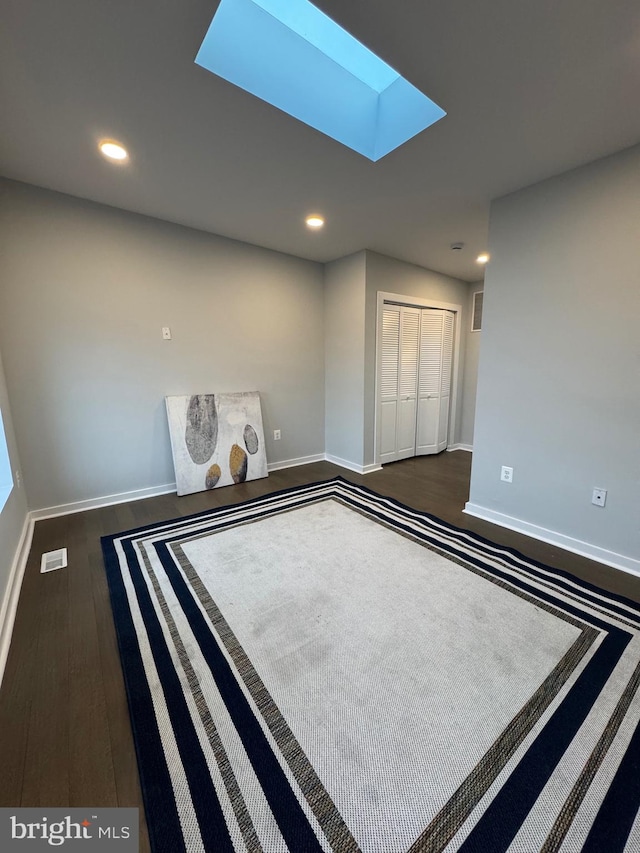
(468,447)
(167,488)
(353,466)
(12,592)
(369,469)
(577,546)
(151,492)
(292,463)
(106,500)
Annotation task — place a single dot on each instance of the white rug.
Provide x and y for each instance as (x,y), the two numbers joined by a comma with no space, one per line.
(324,669)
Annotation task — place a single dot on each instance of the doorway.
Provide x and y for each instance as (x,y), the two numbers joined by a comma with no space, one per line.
(416,376)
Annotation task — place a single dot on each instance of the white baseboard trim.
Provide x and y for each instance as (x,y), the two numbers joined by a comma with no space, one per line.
(150,492)
(353,466)
(292,463)
(577,546)
(167,488)
(369,469)
(12,592)
(98,503)
(468,447)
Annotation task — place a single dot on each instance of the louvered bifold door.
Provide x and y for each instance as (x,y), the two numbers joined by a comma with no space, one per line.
(415,381)
(408,382)
(431,334)
(445,381)
(389,382)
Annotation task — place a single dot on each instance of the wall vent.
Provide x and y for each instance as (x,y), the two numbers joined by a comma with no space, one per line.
(53,560)
(476,316)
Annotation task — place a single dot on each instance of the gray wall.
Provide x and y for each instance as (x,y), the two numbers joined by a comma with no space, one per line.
(558,388)
(344,283)
(85,292)
(14,513)
(393,276)
(470,381)
(351,293)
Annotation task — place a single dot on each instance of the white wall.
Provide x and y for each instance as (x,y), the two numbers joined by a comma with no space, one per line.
(14,512)
(470,380)
(559,380)
(393,276)
(344,283)
(85,292)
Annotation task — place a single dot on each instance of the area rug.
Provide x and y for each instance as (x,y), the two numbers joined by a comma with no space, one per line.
(324,669)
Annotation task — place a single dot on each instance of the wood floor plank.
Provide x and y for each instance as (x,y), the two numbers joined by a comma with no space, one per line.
(20,674)
(91,771)
(46,771)
(16,696)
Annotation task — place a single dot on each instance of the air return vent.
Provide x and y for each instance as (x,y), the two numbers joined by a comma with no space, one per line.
(476,319)
(53,560)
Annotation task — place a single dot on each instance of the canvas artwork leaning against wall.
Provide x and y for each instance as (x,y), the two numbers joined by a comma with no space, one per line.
(216,440)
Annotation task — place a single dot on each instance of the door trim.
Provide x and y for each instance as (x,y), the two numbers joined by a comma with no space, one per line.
(417,302)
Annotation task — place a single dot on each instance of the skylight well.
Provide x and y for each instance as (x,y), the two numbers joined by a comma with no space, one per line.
(292,55)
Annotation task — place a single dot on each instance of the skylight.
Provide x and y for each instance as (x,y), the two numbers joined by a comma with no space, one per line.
(290,54)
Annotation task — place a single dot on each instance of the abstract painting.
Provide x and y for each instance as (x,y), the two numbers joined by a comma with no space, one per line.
(216,440)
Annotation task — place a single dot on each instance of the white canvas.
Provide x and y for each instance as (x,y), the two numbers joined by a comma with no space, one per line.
(216,440)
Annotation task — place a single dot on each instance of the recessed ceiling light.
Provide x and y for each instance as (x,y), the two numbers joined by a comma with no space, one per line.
(482,259)
(113,150)
(314,221)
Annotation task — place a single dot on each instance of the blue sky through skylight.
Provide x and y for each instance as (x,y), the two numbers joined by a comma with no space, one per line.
(319,30)
(292,55)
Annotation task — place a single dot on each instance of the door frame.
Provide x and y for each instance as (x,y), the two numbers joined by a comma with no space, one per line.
(417,302)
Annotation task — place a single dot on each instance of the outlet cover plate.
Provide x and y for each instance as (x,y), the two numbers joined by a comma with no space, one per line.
(599,497)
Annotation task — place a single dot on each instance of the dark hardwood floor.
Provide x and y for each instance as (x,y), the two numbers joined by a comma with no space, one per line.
(65,738)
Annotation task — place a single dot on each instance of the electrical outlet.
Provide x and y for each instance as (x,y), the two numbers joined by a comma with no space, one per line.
(506,474)
(276,435)
(599,497)
(18,479)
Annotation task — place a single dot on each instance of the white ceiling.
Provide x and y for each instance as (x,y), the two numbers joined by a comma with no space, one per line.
(531,87)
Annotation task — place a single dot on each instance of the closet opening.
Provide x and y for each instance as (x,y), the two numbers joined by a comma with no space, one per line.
(417,359)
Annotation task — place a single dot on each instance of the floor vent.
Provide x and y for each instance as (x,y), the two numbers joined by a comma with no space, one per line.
(53,560)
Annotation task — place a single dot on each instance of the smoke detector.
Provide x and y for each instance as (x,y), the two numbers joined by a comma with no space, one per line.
(455,247)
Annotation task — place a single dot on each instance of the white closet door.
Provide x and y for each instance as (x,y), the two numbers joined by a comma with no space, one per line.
(400,341)
(389,382)
(445,381)
(408,382)
(428,426)
(415,381)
